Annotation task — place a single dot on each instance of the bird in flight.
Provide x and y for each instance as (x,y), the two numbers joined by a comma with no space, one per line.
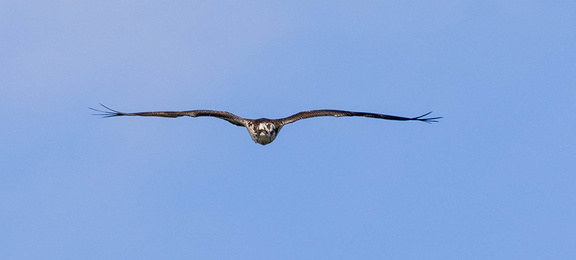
(263,130)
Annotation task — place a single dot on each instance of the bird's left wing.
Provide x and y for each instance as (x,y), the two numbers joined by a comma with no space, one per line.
(339,113)
(234,119)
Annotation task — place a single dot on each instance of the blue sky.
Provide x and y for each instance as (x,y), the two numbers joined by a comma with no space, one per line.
(495,179)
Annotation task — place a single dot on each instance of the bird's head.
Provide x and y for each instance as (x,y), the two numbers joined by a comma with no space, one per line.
(263,131)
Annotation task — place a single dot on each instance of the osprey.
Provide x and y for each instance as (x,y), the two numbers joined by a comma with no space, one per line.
(263,130)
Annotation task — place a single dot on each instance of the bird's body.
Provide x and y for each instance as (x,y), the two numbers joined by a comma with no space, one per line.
(263,130)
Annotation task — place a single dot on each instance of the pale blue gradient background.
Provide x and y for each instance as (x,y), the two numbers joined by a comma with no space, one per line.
(495,179)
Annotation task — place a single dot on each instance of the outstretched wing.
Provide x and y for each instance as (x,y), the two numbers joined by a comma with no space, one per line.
(234,119)
(339,113)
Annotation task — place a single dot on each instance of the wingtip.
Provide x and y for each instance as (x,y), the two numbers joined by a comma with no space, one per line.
(429,119)
(106,114)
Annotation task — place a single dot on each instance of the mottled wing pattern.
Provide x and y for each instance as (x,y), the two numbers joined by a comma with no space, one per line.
(234,119)
(339,113)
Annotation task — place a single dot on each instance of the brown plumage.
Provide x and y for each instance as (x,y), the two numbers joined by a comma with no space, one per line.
(263,130)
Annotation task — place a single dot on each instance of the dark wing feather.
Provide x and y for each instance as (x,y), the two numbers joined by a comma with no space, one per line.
(234,119)
(339,113)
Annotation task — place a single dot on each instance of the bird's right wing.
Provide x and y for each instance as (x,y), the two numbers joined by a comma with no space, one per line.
(234,119)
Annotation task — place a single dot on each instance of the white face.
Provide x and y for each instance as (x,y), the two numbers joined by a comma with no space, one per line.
(263,133)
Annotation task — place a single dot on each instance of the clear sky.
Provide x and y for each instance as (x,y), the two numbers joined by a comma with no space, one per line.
(495,179)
